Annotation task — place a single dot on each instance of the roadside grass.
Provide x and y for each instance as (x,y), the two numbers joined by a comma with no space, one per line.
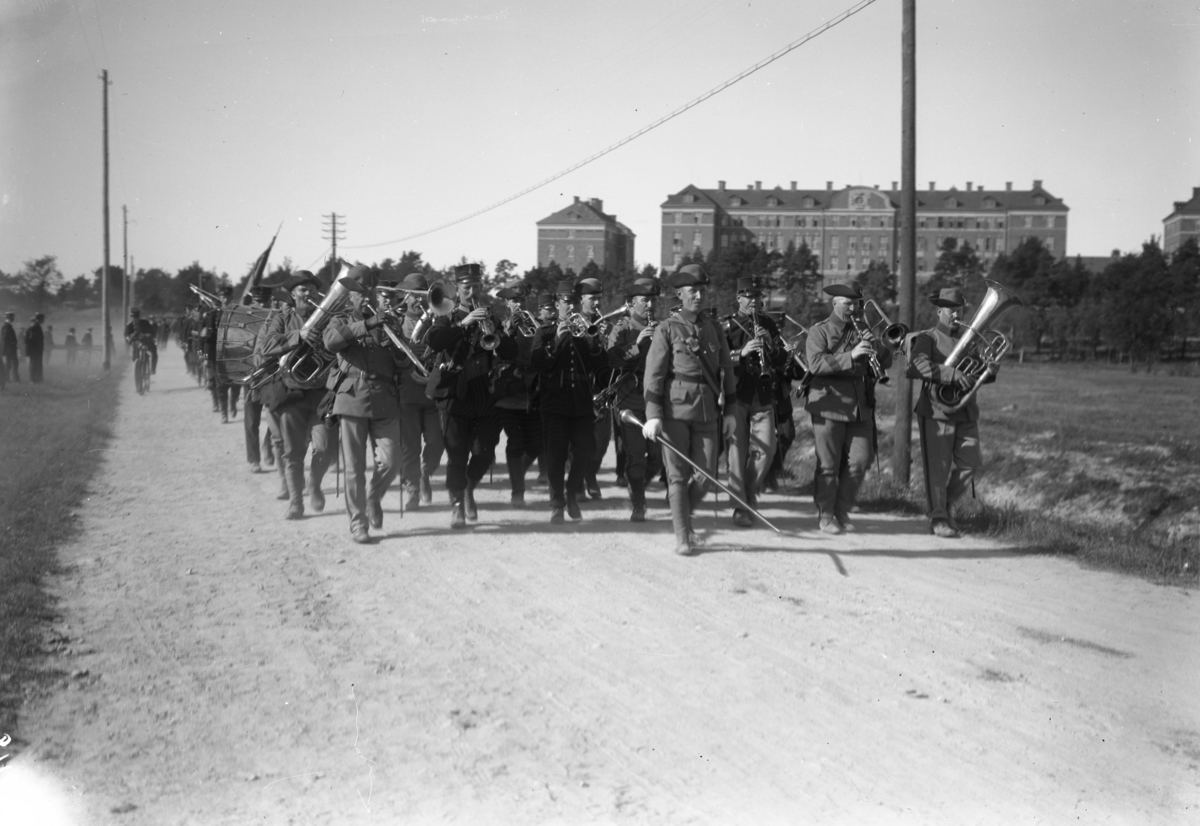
(52,437)
(1089,461)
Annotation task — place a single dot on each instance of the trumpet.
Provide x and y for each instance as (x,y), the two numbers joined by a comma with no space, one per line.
(978,350)
(523,322)
(606,398)
(485,336)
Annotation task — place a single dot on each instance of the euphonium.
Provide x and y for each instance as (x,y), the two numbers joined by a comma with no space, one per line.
(978,349)
(307,366)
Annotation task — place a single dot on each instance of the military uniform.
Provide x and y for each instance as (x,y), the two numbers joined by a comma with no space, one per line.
(688,371)
(515,386)
(8,347)
(35,343)
(421,441)
(841,402)
(461,387)
(367,405)
(224,392)
(627,351)
(252,408)
(950,447)
(296,404)
(602,426)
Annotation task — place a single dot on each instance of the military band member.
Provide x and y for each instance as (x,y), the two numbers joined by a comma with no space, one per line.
(688,371)
(516,397)
(949,441)
(589,291)
(841,402)
(628,345)
(468,341)
(260,299)
(565,362)
(224,392)
(367,403)
(421,442)
(295,400)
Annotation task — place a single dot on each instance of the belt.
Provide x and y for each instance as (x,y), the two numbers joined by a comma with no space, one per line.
(363,374)
(689,379)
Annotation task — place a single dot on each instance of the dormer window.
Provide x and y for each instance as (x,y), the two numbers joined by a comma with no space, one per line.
(1039,200)
(736,201)
(951,203)
(809,202)
(772,201)
(990,203)
(689,198)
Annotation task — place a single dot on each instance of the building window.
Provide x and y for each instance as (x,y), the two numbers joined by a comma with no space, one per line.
(679,217)
(678,240)
(999,223)
(853,243)
(570,253)
(689,198)
(698,240)
(999,245)
(1050,243)
(591,253)
(834,242)
(849,263)
(833,262)
(941,222)
(550,251)
(696,218)
(678,258)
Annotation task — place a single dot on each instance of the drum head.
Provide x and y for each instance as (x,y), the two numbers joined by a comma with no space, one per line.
(237,335)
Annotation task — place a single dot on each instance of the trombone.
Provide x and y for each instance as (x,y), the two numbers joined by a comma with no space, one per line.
(578,324)
(797,345)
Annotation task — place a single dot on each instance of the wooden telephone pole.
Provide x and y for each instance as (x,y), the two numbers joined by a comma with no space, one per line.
(104,330)
(901,458)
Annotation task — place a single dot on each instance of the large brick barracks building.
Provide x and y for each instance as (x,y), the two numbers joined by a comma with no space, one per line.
(851,227)
(583,232)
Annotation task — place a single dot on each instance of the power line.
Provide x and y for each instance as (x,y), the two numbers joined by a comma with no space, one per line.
(853,10)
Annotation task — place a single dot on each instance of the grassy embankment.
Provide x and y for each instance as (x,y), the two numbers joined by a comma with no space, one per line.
(1083,460)
(52,437)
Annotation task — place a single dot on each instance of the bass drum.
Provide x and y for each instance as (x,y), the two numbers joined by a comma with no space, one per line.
(238,330)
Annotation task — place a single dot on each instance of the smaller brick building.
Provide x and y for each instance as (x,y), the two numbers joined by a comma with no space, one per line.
(1183,223)
(583,232)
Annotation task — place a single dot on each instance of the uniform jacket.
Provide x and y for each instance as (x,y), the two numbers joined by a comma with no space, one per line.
(842,389)
(412,383)
(566,372)
(8,339)
(755,385)
(469,380)
(367,369)
(628,357)
(514,381)
(34,341)
(687,369)
(926,354)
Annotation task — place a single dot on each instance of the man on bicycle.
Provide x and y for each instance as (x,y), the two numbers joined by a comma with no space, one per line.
(143,332)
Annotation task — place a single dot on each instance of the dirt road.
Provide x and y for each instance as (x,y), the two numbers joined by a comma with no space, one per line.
(230,667)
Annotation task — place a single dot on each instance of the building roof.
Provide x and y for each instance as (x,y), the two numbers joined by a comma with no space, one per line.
(583,213)
(1190,207)
(968,200)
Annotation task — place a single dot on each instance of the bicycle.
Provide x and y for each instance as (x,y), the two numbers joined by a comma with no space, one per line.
(141,367)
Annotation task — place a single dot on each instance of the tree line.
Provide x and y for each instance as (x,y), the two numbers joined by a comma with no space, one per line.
(1141,307)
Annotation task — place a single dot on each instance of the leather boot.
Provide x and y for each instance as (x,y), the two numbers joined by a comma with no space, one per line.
(426,490)
(637,498)
(458,513)
(573,507)
(472,512)
(682,520)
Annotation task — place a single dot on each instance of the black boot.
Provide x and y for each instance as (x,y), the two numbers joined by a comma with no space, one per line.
(681,518)
(637,498)
(458,513)
(470,510)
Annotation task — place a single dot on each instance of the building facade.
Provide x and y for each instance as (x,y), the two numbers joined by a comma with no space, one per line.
(583,232)
(851,227)
(1183,223)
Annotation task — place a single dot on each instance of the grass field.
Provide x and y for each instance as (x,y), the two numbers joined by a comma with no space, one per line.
(52,437)
(1092,461)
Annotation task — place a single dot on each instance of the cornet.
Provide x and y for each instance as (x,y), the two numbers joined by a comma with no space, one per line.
(485,334)
(523,322)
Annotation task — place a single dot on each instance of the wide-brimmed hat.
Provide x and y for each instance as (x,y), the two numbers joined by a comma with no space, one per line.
(301,277)
(414,281)
(688,275)
(844,291)
(513,291)
(949,297)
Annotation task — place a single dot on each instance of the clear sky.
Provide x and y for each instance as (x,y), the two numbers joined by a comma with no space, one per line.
(228,118)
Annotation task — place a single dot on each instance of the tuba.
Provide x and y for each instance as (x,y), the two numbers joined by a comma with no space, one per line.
(978,349)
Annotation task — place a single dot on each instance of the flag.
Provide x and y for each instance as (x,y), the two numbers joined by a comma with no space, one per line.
(258,270)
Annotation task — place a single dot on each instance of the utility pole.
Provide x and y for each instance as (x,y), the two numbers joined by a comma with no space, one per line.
(132,288)
(901,458)
(126,301)
(333,234)
(104,277)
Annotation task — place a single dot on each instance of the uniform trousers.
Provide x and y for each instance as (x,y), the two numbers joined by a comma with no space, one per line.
(417,422)
(952,458)
(301,424)
(250,424)
(224,394)
(698,441)
(643,459)
(749,446)
(275,433)
(35,368)
(844,452)
(602,430)
(355,433)
(470,449)
(563,433)
(522,443)
(12,365)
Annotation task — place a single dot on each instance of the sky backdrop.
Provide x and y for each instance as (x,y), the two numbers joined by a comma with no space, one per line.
(229,118)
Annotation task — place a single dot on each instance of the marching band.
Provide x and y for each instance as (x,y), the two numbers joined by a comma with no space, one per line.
(412,371)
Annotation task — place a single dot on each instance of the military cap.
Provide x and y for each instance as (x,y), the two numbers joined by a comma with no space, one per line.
(414,281)
(590,286)
(565,287)
(513,291)
(750,284)
(687,276)
(468,274)
(39,316)
(302,277)
(642,286)
(844,291)
(263,291)
(545,300)
(365,276)
(10,315)
(949,297)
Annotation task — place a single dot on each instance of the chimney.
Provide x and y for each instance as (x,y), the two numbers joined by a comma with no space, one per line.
(576,199)
(1037,184)
(874,186)
(793,186)
(979,188)
(721,186)
(1008,186)
(893,186)
(758,184)
(932,186)
(968,186)
(829,186)
(597,203)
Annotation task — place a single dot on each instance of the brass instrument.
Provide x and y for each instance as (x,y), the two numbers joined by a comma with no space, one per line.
(797,345)
(209,299)
(399,344)
(596,325)
(978,350)
(893,335)
(578,325)
(606,398)
(485,334)
(524,323)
